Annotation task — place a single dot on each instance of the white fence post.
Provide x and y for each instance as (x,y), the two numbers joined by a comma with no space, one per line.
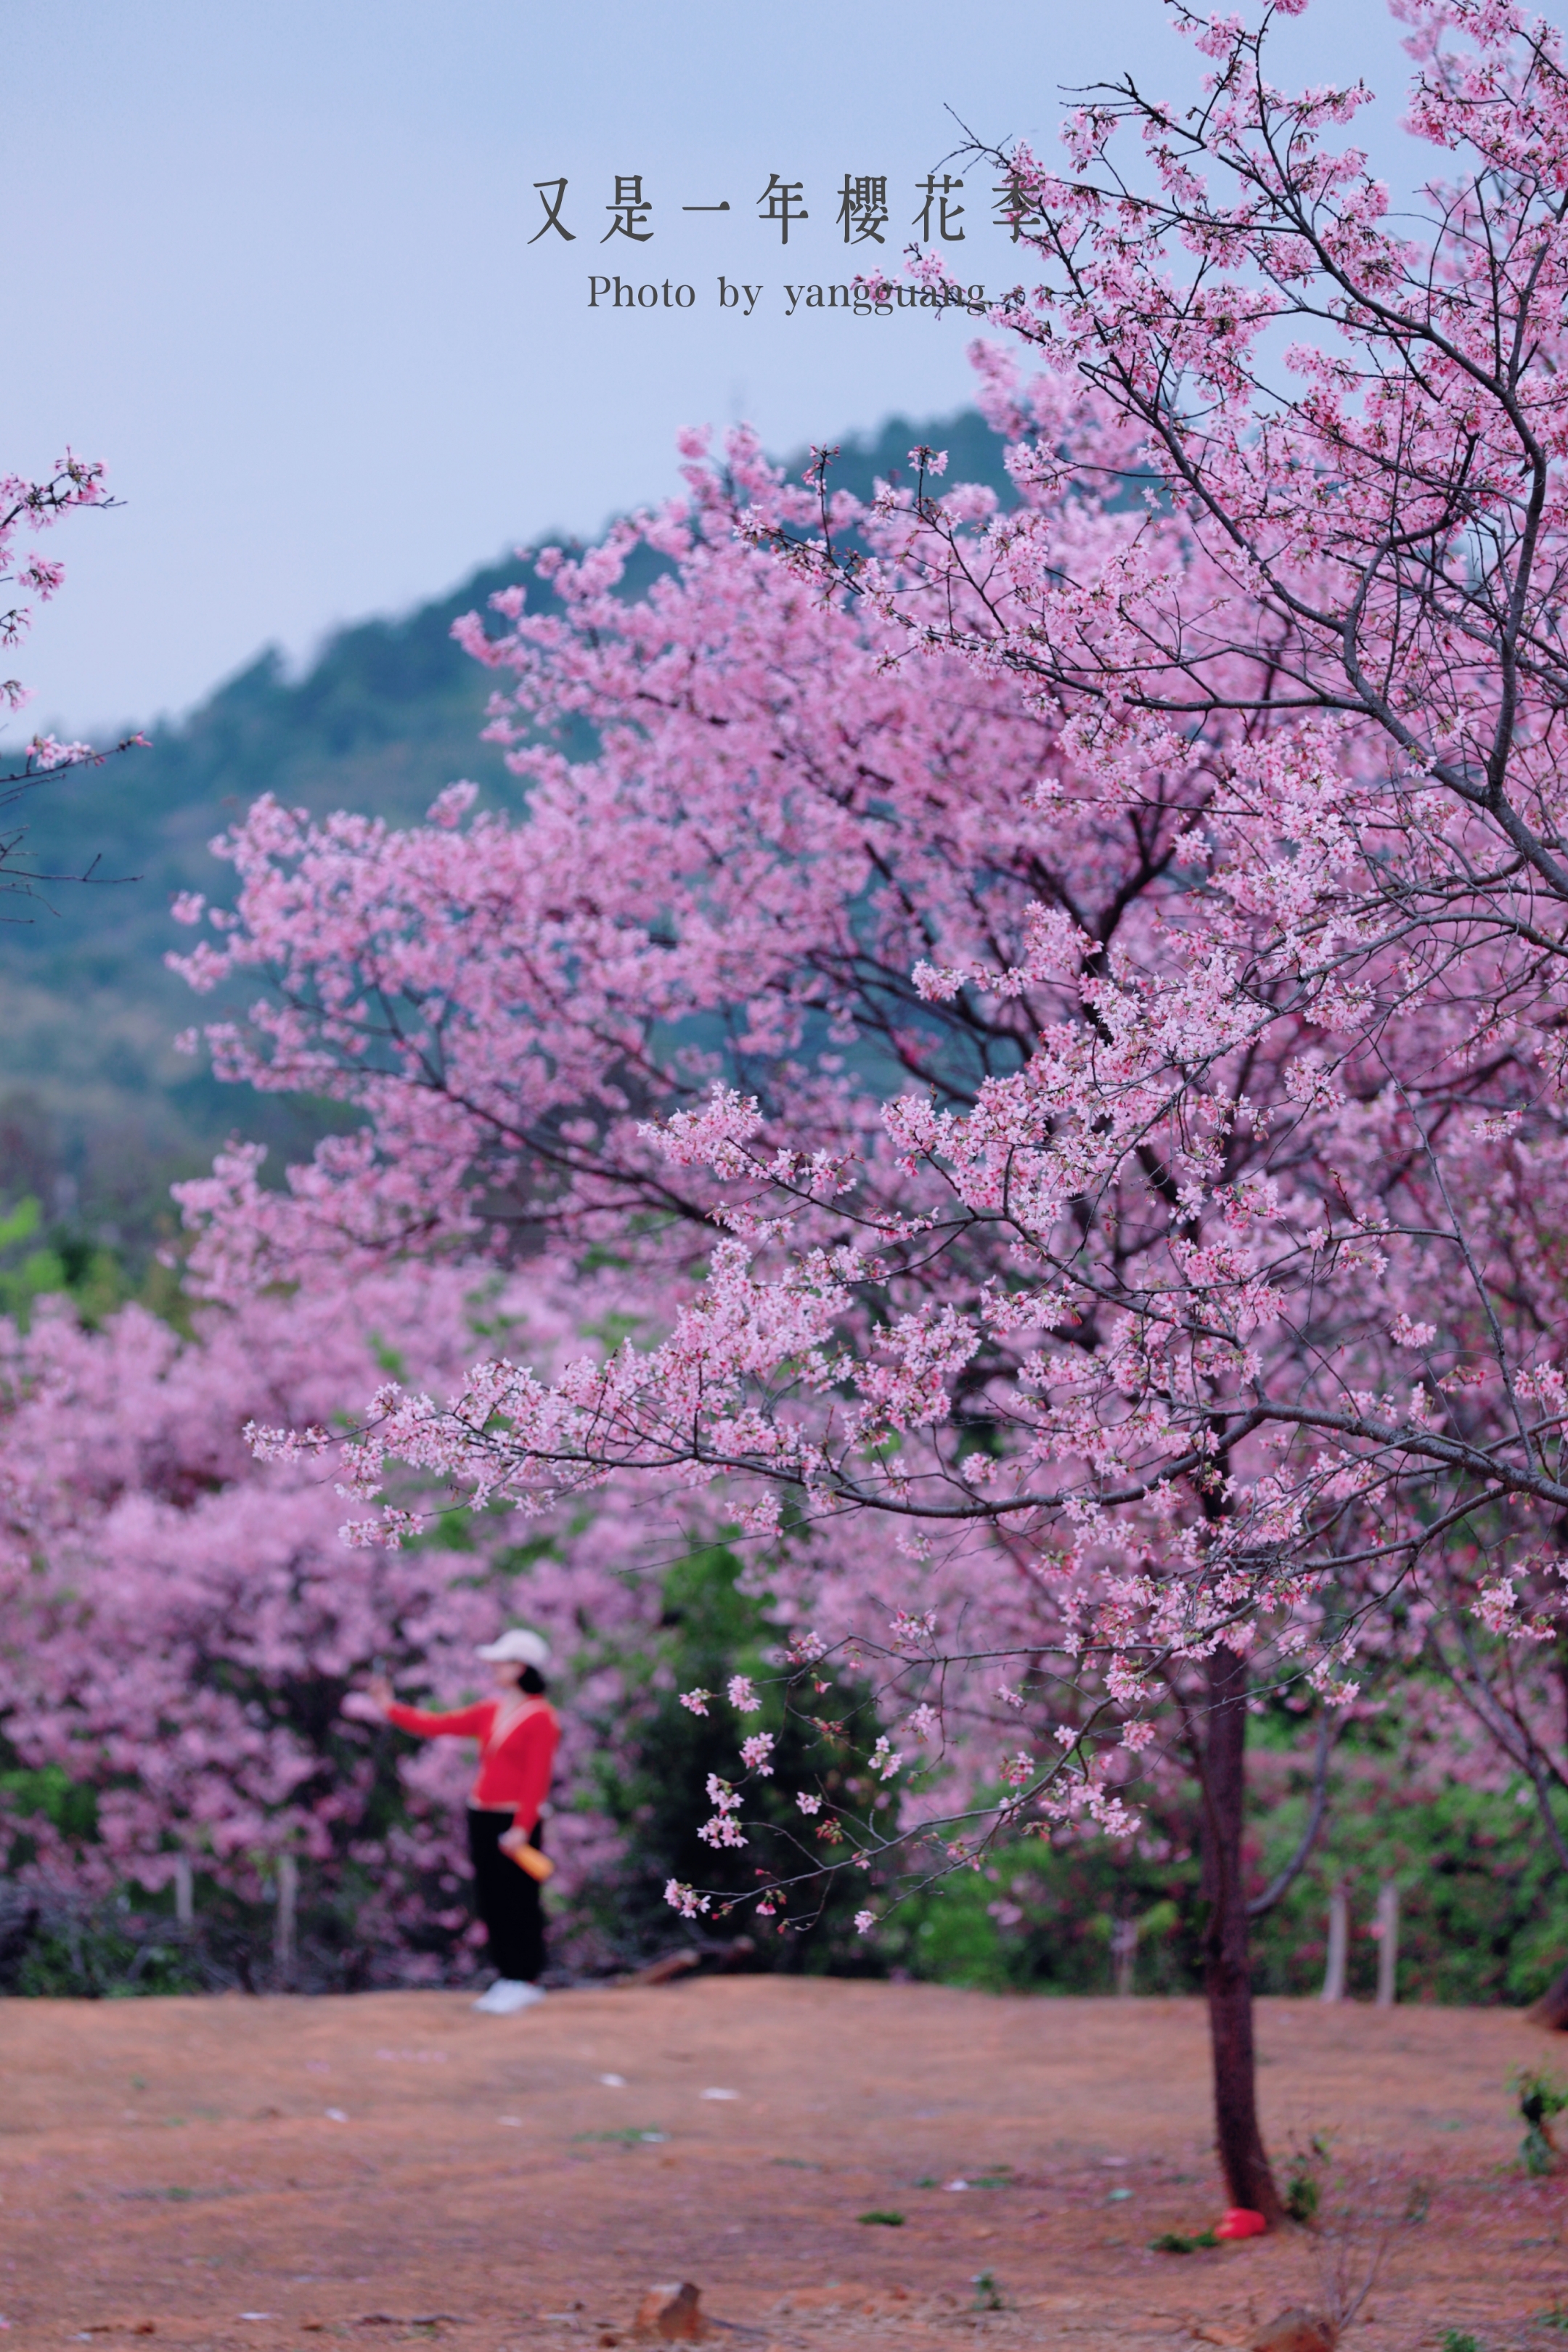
(1387,1944)
(1339,1944)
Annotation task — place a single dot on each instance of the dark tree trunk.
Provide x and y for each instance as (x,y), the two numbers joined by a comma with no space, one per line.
(1552,2007)
(1228,1965)
(1551,2010)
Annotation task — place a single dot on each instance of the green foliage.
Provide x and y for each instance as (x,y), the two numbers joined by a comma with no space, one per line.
(1483,1904)
(882,2218)
(59,1262)
(1173,2241)
(656,1758)
(48,1794)
(97,1959)
(1459,2339)
(1302,2197)
(1540,2096)
(1039,1916)
(1306,2178)
(987,2293)
(1483,1907)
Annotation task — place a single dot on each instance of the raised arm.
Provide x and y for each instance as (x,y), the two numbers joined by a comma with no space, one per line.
(376,1704)
(472,1721)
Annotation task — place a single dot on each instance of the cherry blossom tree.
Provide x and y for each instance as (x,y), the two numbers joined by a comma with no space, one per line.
(1034,1031)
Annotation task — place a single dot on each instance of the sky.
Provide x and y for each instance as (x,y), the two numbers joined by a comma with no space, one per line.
(279,264)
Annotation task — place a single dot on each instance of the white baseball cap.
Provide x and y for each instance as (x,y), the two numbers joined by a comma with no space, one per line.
(529,1649)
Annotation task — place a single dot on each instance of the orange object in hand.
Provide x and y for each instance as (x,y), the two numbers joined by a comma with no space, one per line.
(528,1857)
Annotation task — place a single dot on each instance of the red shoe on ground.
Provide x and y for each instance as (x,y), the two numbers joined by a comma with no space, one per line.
(1239,2222)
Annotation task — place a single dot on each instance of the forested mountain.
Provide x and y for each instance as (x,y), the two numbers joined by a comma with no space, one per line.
(98,1114)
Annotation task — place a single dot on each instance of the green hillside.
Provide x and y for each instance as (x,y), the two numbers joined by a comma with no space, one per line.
(98,1114)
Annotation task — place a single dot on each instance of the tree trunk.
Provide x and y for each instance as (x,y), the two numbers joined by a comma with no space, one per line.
(1227,1967)
(1551,2010)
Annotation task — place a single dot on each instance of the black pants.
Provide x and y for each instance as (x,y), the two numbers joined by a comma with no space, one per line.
(507,1900)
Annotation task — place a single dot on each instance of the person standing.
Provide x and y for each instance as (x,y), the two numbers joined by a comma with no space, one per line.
(517,1731)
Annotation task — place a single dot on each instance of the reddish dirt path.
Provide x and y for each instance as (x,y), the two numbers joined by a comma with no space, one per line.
(180,2163)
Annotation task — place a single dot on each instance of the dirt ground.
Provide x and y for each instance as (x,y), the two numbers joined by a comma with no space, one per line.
(265,2172)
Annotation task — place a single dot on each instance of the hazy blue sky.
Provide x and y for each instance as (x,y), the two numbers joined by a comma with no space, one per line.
(271,260)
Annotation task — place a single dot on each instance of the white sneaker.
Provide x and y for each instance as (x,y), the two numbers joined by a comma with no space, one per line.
(507,1995)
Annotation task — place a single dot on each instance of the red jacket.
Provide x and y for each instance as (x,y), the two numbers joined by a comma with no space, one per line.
(515,1770)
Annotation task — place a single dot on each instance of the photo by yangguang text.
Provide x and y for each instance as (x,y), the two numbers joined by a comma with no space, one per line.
(615,293)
